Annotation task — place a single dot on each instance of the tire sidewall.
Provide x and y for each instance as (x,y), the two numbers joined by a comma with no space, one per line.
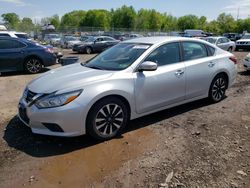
(90,122)
(27,70)
(211,98)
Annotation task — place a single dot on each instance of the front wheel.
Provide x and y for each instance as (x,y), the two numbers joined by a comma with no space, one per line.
(217,91)
(107,118)
(33,65)
(88,50)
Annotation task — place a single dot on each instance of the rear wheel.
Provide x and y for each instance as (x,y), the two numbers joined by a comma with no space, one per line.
(107,118)
(88,50)
(218,88)
(33,65)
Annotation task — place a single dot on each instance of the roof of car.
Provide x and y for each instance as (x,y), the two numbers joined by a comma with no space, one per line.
(158,40)
(14,32)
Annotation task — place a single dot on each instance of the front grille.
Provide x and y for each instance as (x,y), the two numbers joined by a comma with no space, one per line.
(30,96)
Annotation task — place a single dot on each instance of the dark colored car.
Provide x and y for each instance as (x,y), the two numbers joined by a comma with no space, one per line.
(22,55)
(232,36)
(95,44)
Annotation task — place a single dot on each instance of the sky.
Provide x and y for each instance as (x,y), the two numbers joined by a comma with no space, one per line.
(37,9)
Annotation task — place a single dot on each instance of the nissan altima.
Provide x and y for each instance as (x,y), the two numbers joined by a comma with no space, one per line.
(130,80)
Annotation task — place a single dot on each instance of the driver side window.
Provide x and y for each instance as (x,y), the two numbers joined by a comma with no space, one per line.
(165,54)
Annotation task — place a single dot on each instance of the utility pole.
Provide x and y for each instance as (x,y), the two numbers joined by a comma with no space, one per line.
(238,13)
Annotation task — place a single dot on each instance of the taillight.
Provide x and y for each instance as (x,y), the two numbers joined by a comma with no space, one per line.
(233,59)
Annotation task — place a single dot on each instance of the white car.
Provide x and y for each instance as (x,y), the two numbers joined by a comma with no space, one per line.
(246,62)
(243,43)
(13,34)
(127,81)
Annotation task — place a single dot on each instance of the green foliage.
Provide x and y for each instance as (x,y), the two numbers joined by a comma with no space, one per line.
(72,19)
(26,25)
(188,22)
(96,18)
(11,20)
(124,17)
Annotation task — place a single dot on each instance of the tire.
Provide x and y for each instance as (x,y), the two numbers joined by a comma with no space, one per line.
(88,50)
(217,91)
(230,49)
(33,65)
(107,118)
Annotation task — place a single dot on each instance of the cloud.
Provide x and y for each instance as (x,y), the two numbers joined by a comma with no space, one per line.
(20,3)
(235,6)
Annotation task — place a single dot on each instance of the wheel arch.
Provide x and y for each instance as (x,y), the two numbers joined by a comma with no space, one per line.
(33,56)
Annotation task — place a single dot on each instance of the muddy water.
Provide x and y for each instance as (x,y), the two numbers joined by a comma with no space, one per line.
(90,165)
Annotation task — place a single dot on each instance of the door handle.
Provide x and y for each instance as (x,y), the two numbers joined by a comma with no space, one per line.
(211,64)
(179,72)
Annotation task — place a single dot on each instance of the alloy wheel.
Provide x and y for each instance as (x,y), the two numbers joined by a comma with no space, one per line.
(109,119)
(219,89)
(33,65)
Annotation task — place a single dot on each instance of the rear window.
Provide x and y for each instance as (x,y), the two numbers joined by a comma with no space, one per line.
(211,50)
(4,35)
(22,36)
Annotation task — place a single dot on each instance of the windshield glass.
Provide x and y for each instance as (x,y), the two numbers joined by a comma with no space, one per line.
(211,40)
(90,39)
(246,37)
(118,57)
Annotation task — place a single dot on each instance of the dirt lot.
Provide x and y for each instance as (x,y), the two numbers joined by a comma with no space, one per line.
(192,146)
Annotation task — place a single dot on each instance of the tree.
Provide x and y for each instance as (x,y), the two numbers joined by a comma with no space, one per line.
(169,23)
(26,25)
(55,20)
(188,22)
(11,19)
(124,17)
(72,19)
(202,22)
(96,18)
(226,23)
(155,20)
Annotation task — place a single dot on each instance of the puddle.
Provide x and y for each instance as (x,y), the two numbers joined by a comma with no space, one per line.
(84,167)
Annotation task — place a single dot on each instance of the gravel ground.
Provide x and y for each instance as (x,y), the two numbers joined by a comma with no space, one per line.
(191,146)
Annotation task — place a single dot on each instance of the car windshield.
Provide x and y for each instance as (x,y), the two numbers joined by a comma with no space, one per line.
(211,40)
(246,37)
(118,57)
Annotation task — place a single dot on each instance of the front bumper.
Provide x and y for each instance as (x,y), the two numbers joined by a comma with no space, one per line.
(66,121)
(246,64)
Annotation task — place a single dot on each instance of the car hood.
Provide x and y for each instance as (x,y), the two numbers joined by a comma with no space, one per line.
(66,77)
(74,42)
(243,40)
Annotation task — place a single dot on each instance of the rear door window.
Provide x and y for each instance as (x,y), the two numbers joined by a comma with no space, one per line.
(193,50)
(4,35)
(10,44)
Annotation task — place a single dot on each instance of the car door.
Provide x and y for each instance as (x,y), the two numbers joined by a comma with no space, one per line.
(99,44)
(164,86)
(222,43)
(200,67)
(11,54)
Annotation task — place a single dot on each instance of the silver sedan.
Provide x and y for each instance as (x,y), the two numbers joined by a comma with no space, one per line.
(222,42)
(128,81)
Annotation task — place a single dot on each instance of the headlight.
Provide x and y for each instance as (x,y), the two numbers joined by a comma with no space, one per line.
(51,101)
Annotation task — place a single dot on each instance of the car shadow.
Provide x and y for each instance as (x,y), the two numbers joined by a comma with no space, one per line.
(244,73)
(19,73)
(20,137)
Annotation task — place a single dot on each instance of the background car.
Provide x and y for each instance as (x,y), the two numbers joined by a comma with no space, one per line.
(222,42)
(246,62)
(53,39)
(243,43)
(132,79)
(23,55)
(67,41)
(96,44)
(232,36)
(14,34)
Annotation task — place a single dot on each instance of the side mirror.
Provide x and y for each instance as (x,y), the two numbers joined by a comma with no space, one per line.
(147,66)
